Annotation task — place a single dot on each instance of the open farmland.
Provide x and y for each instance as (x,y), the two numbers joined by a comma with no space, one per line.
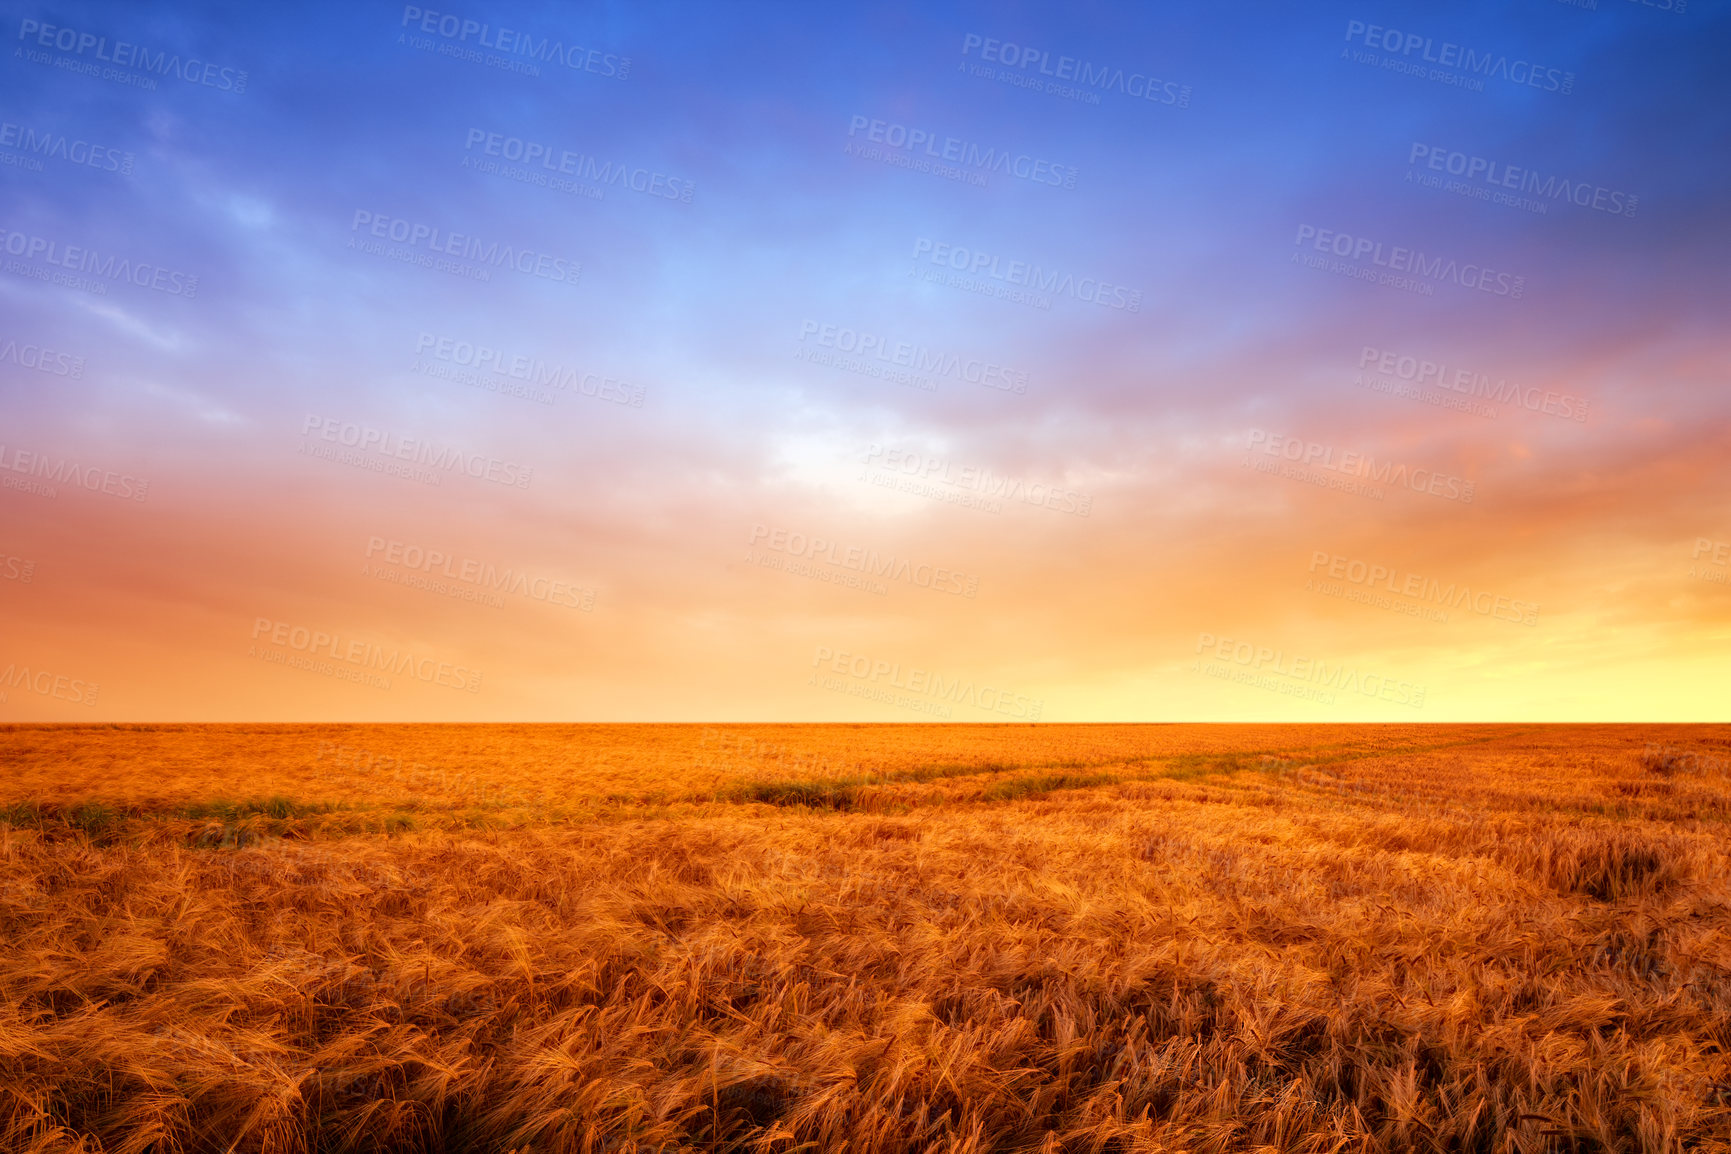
(865,938)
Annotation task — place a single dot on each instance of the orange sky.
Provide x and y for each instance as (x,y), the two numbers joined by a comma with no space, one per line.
(1185,432)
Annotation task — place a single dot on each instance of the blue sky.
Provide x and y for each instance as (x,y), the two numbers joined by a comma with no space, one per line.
(1273,126)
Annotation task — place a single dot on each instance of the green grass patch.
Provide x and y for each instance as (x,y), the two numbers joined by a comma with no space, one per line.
(840,795)
(94,820)
(1038,785)
(98,822)
(22,814)
(278,808)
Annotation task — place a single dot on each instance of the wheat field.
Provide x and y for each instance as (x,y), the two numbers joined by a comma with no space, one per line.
(865,938)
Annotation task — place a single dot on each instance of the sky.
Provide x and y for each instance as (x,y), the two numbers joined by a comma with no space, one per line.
(1360,361)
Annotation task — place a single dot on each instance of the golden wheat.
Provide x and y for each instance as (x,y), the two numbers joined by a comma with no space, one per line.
(878,938)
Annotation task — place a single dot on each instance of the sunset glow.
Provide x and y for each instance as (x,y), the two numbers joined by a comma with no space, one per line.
(1317,363)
